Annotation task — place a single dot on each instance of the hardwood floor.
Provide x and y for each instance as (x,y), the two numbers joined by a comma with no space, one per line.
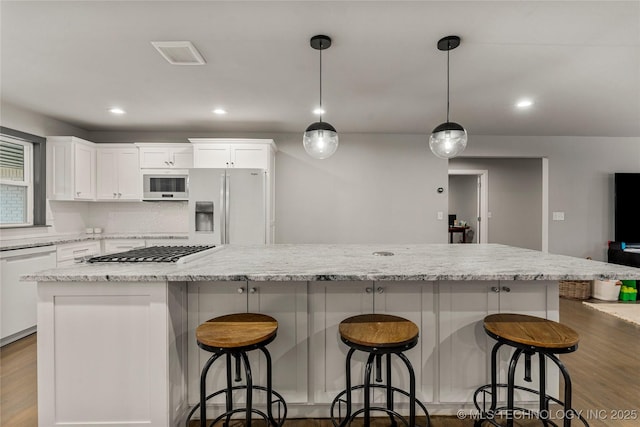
(605,372)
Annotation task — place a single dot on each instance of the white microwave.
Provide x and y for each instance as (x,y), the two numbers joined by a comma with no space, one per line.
(165,185)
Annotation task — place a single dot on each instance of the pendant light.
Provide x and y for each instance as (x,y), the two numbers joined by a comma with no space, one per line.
(448,139)
(320,140)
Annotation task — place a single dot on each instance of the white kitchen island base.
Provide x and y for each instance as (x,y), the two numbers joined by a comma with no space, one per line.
(125,354)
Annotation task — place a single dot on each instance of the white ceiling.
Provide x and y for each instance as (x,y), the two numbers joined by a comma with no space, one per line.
(578,61)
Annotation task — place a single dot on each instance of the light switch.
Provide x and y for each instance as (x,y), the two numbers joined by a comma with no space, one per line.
(440,215)
(558,216)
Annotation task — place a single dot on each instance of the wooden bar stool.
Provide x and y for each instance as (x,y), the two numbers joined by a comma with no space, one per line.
(377,335)
(234,335)
(528,335)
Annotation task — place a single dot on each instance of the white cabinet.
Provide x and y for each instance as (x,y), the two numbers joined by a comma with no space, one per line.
(70,253)
(332,302)
(18,299)
(232,153)
(71,168)
(465,348)
(165,156)
(285,301)
(112,246)
(118,172)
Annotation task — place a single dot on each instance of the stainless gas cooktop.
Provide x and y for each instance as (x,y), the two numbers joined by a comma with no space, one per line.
(176,254)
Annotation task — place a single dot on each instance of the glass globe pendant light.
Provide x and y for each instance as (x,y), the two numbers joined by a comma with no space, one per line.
(320,140)
(448,139)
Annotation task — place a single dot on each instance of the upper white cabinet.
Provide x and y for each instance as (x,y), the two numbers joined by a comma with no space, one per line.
(162,156)
(118,172)
(71,165)
(224,153)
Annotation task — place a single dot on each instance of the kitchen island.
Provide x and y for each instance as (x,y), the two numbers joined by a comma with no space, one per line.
(116,341)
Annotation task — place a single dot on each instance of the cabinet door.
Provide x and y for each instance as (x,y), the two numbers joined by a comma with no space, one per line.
(85,166)
(69,253)
(18,298)
(206,300)
(154,157)
(535,298)
(211,156)
(329,304)
(181,157)
(129,180)
(249,156)
(60,173)
(414,301)
(287,303)
(107,175)
(464,348)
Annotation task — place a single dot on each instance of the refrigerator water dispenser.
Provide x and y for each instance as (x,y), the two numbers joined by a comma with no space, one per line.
(204,216)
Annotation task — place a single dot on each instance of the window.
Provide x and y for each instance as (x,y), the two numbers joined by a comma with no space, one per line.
(22,191)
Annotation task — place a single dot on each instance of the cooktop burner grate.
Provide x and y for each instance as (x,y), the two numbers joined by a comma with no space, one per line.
(152,254)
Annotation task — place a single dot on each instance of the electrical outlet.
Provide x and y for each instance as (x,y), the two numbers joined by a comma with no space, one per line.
(558,216)
(440,215)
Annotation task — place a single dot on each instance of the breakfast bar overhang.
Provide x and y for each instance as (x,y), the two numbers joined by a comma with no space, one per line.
(116,341)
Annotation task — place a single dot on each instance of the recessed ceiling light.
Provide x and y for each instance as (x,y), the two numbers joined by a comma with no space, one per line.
(319,111)
(220,111)
(116,110)
(524,103)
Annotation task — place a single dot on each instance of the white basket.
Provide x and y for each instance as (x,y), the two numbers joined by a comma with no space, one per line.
(606,290)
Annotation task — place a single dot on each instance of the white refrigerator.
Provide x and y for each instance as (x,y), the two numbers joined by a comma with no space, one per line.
(227,206)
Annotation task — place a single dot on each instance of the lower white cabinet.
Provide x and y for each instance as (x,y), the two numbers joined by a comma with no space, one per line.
(18,299)
(332,302)
(69,254)
(464,347)
(285,301)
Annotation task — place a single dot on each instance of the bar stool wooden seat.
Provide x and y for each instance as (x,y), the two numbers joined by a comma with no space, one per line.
(377,335)
(234,335)
(528,335)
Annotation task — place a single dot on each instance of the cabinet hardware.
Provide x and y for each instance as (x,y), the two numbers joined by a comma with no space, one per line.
(380,290)
(495,289)
(241,290)
(252,290)
(368,290)
(506,289)
(114,194)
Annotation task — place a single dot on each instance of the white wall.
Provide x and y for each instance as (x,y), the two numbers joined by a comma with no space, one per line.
(515,199)
(18,118)
(580,183)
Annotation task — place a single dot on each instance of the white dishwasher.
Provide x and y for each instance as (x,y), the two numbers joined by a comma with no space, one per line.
(18,300)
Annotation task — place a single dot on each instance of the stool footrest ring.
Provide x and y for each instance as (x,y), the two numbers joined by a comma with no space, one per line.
(489,415)
(393,413)
(279,400)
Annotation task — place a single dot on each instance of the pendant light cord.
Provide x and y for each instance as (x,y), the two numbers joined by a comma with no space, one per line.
(448,83)
(321,47)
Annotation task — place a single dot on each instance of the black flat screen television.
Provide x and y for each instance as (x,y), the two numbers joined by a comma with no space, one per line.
(627,208)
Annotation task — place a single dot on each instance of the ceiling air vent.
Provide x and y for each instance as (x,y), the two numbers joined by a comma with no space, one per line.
(179,53)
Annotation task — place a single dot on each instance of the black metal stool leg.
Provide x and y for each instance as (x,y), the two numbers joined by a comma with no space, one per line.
(567,391)
(494,376)
(544,402)
(367,390)
(203,389)
(390,391)
(249,380)
(267,356)
(229,393)
(345,421)
(510,385)
(412,389)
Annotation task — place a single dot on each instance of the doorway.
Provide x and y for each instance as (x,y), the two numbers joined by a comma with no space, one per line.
(468,206)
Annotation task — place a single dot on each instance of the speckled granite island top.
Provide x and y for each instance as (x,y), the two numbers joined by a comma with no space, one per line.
(290,262)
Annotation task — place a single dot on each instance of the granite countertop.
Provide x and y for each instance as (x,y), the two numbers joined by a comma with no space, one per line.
(289,262)
(58,239)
